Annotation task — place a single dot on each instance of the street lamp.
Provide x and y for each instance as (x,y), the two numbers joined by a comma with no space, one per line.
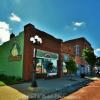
(36,40)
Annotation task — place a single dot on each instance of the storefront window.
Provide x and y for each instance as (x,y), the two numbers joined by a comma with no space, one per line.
(64,68)
(65,59)
(39,66)
(46,62)
(43,63)
(54,65)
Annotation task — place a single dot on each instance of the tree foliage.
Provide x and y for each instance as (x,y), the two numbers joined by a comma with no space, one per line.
(71,66)
(89,56)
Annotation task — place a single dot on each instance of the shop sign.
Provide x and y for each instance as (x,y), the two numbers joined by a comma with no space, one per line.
(46,54)
(15,58)
(15,53)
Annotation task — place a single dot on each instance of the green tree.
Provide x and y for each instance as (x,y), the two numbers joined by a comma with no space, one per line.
(71,66)
(90,57)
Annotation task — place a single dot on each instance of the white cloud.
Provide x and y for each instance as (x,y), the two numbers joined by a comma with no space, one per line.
(15,18)
(97,51)
(74,26)
(78,24)
(4,32)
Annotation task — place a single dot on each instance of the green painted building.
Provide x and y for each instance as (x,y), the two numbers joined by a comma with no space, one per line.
(17,54)
(11,56)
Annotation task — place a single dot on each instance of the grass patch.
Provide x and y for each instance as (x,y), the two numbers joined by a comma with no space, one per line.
(2,83)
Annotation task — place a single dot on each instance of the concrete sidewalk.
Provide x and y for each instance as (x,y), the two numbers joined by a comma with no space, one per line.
(51,84)
(8,93)
(47,86)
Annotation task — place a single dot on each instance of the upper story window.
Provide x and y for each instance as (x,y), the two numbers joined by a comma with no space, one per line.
(77,50)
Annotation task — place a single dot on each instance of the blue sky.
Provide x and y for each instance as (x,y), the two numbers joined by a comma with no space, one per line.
(64,19)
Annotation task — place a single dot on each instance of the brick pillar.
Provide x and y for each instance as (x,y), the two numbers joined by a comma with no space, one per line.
(28,52)
(59,64)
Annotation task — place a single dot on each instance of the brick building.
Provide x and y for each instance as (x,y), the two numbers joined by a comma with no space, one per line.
(77,46)
(17,55)
(62,51)
(50,46)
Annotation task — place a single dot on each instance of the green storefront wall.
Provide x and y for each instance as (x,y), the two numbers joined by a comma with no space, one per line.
(9,65)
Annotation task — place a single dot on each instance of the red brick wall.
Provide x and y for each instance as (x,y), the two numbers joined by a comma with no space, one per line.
(71,44)
(67,49)
(50,44)
(82,42)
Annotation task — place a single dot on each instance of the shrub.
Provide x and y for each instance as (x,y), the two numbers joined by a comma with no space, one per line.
(10,79)
(71,66)
(2,83)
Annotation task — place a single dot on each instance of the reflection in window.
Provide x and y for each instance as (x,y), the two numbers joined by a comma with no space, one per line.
(64,68)
(42,65)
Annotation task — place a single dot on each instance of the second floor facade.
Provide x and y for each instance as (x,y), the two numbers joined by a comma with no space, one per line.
(76,46)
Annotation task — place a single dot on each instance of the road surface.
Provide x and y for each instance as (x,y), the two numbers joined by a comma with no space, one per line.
(90,92)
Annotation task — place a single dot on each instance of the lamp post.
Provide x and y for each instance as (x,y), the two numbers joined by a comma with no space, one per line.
(36,40)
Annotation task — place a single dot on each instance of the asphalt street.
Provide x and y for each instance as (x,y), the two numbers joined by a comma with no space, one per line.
(89,92)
